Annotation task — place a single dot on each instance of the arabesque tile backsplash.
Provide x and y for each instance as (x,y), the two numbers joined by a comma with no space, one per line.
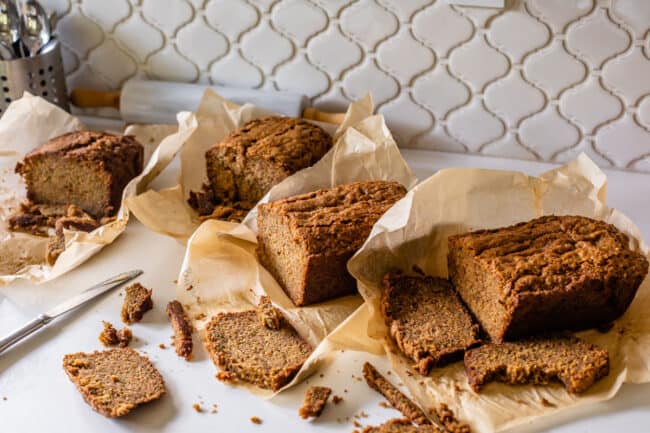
(539,79)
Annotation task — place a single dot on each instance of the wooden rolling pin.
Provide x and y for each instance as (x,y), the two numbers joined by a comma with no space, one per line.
(145,101)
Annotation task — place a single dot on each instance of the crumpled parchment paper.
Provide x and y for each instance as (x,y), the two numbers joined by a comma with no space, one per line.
(220,271)
(456,200)
(30,122)
(166,211)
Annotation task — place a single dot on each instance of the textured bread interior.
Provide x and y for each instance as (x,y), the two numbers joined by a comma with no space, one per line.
(61,181)
(257,178)
(282,256)
(480,291)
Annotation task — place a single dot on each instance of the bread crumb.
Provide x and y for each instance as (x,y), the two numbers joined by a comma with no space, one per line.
(356,423)
(337,399)
(4,398)
(547,403)
(162,346)
(197,407)
(256,420)
(200,316)
(384,405)
(190,287)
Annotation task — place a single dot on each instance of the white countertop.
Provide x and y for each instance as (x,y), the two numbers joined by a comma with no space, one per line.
(40,398)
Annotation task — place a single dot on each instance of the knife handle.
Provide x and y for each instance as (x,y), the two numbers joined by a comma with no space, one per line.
(90,98)
(22,332)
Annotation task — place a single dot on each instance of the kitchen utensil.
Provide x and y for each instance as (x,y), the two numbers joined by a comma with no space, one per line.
(72,303)
(35,29)
(9,30)
(142,101)
(41,75)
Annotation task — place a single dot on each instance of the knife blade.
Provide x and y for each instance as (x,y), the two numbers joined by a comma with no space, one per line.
(70,304)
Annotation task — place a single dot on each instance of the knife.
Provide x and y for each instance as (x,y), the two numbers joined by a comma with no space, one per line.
(72,303)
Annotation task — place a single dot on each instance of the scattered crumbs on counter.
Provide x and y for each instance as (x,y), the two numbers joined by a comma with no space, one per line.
(256,420)
(345,390)
(190,287)
(162,346)
(175,281)
(337,399)
(4,398)
(384,405)
(197,407)
(200,316)
(321,375)
(356,423)
(388,373)
(363,414)
(213,409)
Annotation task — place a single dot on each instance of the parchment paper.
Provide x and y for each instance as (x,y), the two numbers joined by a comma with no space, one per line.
(30,122)
(166,211)
(220,271)
(415,231)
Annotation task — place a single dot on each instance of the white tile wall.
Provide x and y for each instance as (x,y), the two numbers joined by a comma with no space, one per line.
(539,79)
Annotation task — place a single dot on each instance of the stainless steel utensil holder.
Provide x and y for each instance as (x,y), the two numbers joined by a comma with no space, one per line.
(41,75)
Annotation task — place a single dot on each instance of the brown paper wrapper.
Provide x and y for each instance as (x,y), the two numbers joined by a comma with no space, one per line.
(415,231)
(30,122)
(220,271)
(166,211)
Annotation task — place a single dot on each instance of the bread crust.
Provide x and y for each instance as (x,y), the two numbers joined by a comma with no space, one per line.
(550,273)
(305,241)
(112,159)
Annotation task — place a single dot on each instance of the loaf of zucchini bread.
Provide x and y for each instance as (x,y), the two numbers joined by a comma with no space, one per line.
(86,169)
(550,273)
(305,241)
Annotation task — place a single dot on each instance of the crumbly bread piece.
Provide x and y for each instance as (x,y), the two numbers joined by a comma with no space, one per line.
(402,426)
(268,315)
(245,349)
(449,420)
(206,204)
(137,301)
(315,401)
(252,159)
(427,320)
(538,360)
(550,273)
(112,337)
(84,168)
(305,241)
(182,329)
(114,381)
(395,397)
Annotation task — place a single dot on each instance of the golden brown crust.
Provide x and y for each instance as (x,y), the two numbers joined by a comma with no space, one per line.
(395,397)
(114,381)
(246,350)
(250,160)
(339,218)
(550,273)
(314,402)
(137,301)
(538,360)
(305,241)
(427,320)
(182,329)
